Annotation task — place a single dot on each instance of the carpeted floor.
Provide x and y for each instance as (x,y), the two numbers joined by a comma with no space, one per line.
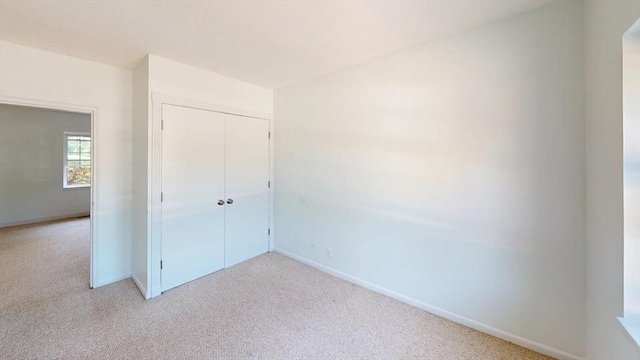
(270,307)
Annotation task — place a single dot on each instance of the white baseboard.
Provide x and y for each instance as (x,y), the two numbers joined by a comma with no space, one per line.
(543,349)
(108,281)
(142,289)
(44,219)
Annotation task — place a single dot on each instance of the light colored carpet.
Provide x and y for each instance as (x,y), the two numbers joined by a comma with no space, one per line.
(270,307)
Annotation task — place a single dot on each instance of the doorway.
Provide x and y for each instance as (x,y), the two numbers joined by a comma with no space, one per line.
(47,184)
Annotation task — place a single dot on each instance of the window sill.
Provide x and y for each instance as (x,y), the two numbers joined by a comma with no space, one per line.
(76,187)
(631,325)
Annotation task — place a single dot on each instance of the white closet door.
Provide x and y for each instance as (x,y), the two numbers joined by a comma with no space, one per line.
(247,174)
(193,165)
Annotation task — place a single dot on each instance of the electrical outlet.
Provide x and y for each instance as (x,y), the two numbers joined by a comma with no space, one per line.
(329,253)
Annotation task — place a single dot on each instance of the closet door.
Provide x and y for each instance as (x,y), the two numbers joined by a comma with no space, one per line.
(193,165)
(247,192)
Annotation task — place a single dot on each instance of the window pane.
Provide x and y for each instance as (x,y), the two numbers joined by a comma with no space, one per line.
(85,156)
(85,145)
(78,175)
(73,146)
(73,156)
(73,162)
(85,163)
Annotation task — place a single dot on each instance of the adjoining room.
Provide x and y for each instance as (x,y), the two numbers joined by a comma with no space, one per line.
(45,203)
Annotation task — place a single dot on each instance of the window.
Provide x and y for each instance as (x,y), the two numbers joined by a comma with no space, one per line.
(631,176)
(77,160)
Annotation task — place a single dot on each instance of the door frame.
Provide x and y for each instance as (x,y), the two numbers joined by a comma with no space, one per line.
(155,179)
(92,111)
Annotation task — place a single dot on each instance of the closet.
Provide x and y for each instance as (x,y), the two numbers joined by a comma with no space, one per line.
(214,208)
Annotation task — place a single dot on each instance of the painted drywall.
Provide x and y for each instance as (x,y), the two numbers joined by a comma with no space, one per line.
(605,24)
(141,98)
(188,82)
(159,75)
(35,74)
(32,163)
(452,174)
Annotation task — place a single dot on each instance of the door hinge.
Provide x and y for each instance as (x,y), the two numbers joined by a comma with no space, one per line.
(161,197)
(268,231)
(269,135)
(160,264)
(269,184)
(162,125)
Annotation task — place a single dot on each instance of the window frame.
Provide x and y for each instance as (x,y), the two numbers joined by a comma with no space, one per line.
(65,160)
(630,319)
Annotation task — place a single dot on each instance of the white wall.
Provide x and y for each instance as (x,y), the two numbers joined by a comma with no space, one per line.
(36,74)
(452,174)
(156,74)
(605,24)
(188,82)
(31,165)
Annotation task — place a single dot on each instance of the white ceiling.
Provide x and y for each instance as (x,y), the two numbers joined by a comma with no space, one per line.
(268,43)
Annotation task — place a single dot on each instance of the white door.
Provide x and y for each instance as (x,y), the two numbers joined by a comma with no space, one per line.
(247,193)
(193,165)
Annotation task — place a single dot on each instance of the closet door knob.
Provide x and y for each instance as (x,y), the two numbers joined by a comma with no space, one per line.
(229,201)
(220,202)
